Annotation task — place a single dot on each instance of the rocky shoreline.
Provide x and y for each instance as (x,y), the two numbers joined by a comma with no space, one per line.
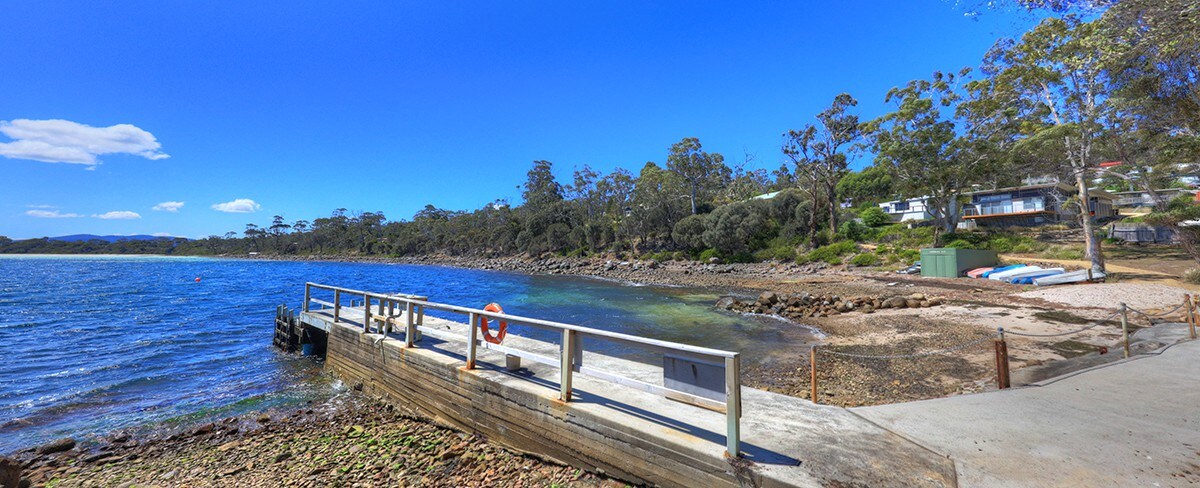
(803,305)
(727,278)
(356,443)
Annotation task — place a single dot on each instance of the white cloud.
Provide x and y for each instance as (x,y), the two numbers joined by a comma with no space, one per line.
(240,205)
(118,215)
(41,206)
(172,207)
(63,141)
(161,234)
(51,214)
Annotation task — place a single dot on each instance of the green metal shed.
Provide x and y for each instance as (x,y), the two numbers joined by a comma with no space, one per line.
(948,262)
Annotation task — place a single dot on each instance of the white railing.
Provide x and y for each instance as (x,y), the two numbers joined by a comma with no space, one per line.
(570,360)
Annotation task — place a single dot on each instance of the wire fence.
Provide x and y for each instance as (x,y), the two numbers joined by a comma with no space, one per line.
(1188,306)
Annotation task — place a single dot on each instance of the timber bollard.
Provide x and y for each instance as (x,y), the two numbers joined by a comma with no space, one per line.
(1125,327)
(812,370)
(1002,380)
(1191,314)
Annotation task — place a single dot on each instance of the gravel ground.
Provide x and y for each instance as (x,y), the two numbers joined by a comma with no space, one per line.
(358,445)
(1142,296)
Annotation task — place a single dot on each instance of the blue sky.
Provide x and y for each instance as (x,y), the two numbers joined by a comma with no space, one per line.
(304,107)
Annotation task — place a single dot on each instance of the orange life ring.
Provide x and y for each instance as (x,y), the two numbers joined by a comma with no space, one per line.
(483,324)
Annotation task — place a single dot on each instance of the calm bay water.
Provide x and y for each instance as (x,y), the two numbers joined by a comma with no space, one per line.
(92,344)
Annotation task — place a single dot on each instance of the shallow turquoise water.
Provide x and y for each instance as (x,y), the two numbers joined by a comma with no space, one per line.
(92,344)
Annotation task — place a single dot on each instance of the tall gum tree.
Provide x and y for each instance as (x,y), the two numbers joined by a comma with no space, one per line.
(821,154)
(704,172)
(1054,79)
(928,154)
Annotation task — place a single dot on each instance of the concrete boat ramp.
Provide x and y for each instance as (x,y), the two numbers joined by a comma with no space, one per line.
(622,418)
(1134,422)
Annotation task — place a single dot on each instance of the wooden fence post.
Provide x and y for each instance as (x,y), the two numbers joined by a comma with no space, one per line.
(1125,327)
(1002,379)
(1191,314)
(812,370)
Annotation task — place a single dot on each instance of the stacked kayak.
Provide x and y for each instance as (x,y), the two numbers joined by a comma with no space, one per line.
(977,272)
(999,273)
(1064,278)
(1027,278)
(1000,269)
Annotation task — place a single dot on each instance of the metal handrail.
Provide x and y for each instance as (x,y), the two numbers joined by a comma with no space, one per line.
(568,354)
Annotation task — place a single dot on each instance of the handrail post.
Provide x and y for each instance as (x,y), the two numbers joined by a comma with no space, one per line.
(366,313)
(1125,327)
(473,340)
(567,357)
(337,304)
(420,314)
(733,405)
(307,295)
(390,313)
(410,327)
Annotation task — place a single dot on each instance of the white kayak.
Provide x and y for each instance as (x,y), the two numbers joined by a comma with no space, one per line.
(1006,275)
(1072,277)
(1028,278)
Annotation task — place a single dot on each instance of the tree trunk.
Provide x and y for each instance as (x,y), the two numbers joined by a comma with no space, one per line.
(831,195)
(812,225)
(1091,243)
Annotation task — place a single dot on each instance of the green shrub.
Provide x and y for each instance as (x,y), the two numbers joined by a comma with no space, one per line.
(779,248)
(851,230)
(865,259)
(1062,252)
(831,254)
(1192,276)
(874,216)
(742,257)
(960,244)
(709,254)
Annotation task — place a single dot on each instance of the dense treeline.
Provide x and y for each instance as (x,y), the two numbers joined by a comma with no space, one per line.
(1064,97)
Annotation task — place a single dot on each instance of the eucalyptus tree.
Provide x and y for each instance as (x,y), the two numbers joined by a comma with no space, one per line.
(921,145)
(872,184)
(659,201)
(704,172)
(821,153)
(1055,81)
(616,194)
(543,210)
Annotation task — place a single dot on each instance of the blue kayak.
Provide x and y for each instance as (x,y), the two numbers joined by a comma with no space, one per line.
(1001,269)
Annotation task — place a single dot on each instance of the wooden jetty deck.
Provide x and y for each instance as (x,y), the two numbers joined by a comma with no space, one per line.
(686,421)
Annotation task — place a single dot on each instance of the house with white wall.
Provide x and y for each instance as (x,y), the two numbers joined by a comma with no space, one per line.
(906,210)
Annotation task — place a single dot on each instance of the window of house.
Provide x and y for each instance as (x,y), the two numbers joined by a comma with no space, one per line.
(900,207)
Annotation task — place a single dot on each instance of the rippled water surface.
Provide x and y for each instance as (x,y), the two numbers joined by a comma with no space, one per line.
(91,344)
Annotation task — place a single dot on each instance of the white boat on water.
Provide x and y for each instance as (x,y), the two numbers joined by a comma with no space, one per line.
(1072,277)
(1006,275)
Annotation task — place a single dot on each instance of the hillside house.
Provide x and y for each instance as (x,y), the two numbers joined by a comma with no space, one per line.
(906,210)
(1032,205)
